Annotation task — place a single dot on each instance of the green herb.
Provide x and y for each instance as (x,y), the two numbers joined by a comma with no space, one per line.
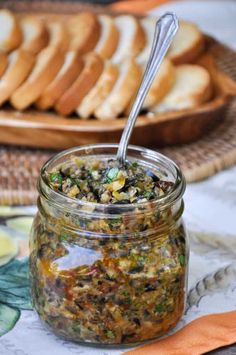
(56,178)
(116,220)
(139,258)
(112,174)
(63,238)
(147,194)
(135,164)
(76,326)
(182,260)
(74,181)
(125,293)
(142,259)
(110,334)
(159,308)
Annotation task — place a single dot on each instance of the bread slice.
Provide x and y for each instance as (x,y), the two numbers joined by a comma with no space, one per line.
(122,92)
(35,34)
(65,77)
(84,30)
(109,37)
(99,92)
(187,45)
(10,31)
(192,87)
(70,100)
(3,62)
(132,38)
(162,83)
(48,63)
(148,24)
(58,35)
(20,64)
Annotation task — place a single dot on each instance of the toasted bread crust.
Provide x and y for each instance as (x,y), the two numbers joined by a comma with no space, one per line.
(161,85)
(14,38)
(61,82)
(40,40)
(193,50)
(88,85)
(99,92)
(148,25)
(139,41)
(108,47)
(16,72)
(3,62)
(93,66)
(134,42)
(84,29)
(122,93)
(192,88)
(191,54)
(40,77)
(58,35)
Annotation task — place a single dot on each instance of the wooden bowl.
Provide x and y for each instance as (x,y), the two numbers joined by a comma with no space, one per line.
(49,130)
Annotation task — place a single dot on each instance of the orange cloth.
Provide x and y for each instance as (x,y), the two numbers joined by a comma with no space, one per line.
(136,6)
(198,337)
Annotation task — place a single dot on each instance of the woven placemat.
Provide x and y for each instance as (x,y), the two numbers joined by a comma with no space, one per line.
(214,152)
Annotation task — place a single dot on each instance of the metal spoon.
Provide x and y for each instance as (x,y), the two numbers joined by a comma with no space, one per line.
(166,28)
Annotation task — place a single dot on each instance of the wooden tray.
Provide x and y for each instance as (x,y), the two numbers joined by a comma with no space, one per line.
(49,130)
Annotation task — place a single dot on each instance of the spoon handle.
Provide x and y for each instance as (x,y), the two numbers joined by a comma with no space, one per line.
(166,28)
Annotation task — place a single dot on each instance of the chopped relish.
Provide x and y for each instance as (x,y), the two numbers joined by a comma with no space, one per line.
(118,278)
(104,181)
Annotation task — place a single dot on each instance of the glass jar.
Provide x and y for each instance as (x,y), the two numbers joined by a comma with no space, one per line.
(109,274)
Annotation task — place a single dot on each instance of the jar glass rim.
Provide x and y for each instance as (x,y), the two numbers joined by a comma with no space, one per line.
(173,195)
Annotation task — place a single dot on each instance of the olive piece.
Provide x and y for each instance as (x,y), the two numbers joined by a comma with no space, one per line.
(136,321)
(152,175)
(122,202)
(114,210)
(149,288)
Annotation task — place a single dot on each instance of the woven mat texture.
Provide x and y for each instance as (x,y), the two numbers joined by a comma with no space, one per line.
(217,150)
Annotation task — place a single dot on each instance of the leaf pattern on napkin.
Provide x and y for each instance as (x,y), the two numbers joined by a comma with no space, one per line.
(14,274)
(14,285)
(14,293)
(8,318)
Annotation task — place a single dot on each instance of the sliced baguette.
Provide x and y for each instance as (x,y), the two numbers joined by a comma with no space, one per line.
(3,62)
(65,77)
(20,64)
(132,38)
(187,45)
(162,83)
(192,87)
(122,92)
(84,30)
(109,37)
(99,92)
(70,100)
(35,34)
(58,35)
(10,31)
(148,25)
(48,63)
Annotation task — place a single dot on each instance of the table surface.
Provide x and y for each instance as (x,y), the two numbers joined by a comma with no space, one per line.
(210,215)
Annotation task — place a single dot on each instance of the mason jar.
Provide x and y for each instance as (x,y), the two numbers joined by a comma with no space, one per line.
(109,274)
